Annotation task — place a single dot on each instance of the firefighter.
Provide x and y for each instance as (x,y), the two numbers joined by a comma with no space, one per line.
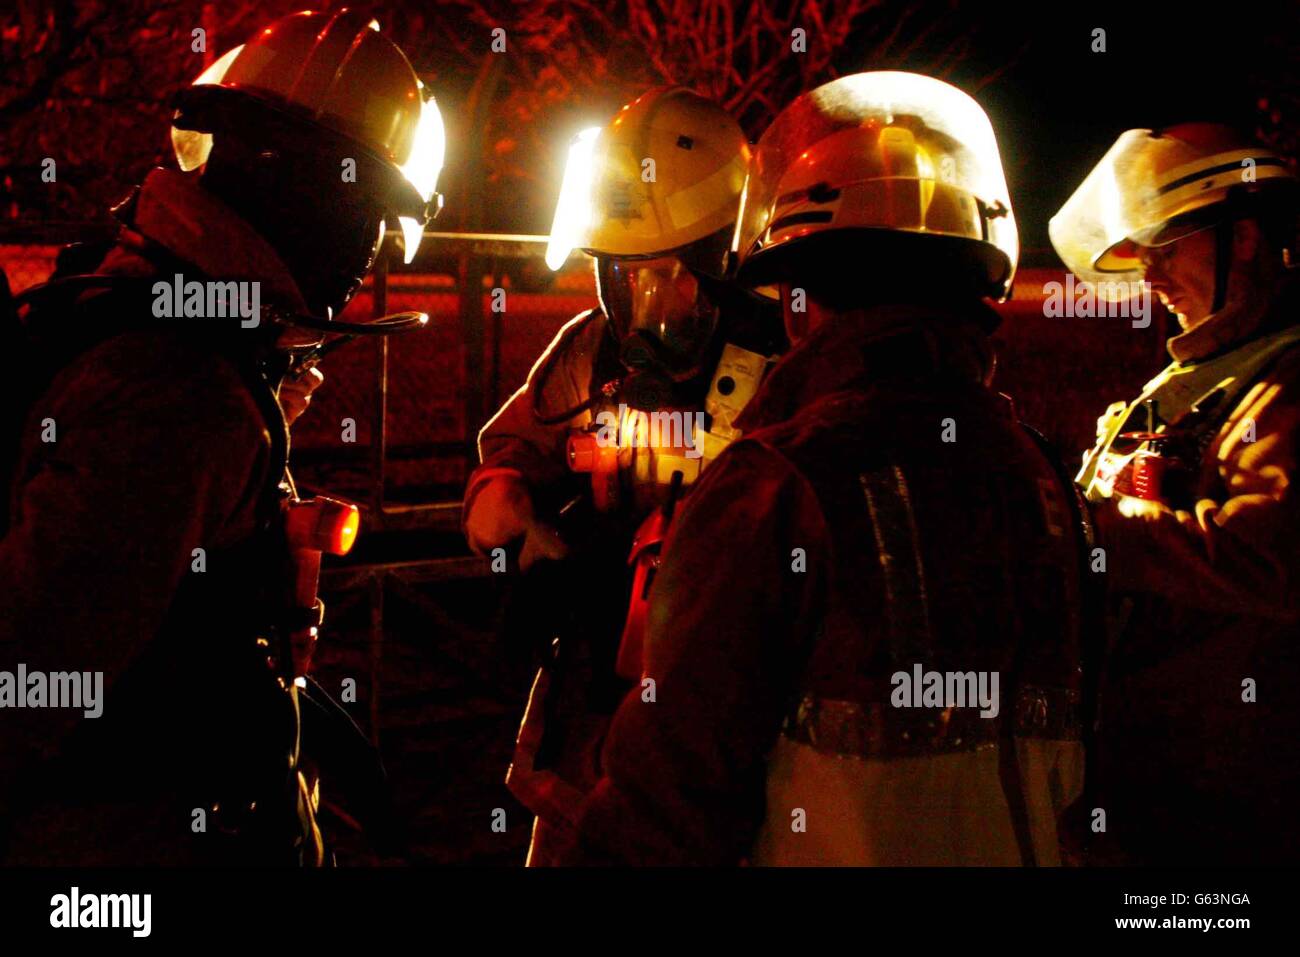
(861,641)
(621,413)
(1191,490)
(144,464)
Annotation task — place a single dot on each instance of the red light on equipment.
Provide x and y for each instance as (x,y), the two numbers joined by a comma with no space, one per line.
(322,524)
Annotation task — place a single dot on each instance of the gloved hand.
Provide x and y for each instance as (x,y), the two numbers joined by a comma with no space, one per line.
(295,392)
(501,512)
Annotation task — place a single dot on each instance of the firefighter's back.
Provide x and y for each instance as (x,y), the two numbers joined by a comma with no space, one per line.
(936,722)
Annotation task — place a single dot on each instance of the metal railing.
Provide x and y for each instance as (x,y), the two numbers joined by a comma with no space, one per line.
(477,255)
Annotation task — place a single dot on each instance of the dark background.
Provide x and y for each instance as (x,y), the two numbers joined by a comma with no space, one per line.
(88,82)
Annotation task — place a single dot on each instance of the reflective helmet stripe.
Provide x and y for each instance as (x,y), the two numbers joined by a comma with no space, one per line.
(1213,166)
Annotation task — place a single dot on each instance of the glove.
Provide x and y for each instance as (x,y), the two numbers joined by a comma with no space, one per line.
(295,392)
(500,512)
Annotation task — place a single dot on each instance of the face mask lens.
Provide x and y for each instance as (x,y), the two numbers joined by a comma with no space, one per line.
(660,302)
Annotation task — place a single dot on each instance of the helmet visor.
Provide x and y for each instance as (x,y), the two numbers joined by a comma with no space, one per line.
(1148,190)
(193,146)
(422,169)
(573,209)
(1099,231)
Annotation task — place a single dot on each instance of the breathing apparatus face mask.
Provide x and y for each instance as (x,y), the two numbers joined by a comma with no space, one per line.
(665,310)
(660,312)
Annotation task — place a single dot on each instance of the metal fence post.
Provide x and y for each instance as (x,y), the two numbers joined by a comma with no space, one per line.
(379,433)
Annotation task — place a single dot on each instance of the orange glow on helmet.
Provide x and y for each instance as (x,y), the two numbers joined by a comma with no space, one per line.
(327,73)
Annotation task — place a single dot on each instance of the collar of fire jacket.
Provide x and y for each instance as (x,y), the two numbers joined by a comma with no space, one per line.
(1232,326)
(865,345)
(173,211)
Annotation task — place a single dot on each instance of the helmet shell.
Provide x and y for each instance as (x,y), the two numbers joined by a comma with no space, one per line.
(328,73)
(666,172)
(872,155)
(1153,188)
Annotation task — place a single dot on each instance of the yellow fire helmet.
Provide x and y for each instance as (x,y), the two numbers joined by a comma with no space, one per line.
(1152,189)
(327,74)
(666,172)
(848,167)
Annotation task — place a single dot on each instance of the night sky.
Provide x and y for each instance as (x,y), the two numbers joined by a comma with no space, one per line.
(1061,106)
(1056,105)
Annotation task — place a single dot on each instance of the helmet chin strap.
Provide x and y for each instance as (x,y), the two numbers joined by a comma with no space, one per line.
(1223,237)
(1223,233)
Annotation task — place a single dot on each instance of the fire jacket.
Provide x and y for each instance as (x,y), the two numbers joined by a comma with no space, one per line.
(1199,742)
(130,549)
(572,699)
(885,513)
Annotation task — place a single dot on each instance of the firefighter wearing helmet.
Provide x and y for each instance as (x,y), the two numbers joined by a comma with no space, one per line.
(161,498)
(1191,490)
(862,634)
(619,416)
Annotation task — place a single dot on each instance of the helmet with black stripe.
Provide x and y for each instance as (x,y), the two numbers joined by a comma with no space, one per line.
(1152,189)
